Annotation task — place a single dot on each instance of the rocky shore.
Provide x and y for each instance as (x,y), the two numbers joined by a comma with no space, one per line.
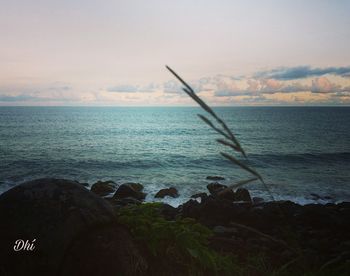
(78,231)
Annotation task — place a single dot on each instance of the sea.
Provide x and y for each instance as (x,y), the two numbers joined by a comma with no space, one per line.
(302,153)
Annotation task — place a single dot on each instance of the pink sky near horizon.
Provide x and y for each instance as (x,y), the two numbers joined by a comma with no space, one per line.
(232,52)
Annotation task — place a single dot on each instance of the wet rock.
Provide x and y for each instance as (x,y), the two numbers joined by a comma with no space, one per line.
(215,187)
(242,194)
(215,178)
(127,190)
(172,192)
(202,196)
(315,196)
(123,201)
(82,183)
(227,194)
(168,212)
(70,225)
(103,188)
(257,200)
(211,212)
(136,186)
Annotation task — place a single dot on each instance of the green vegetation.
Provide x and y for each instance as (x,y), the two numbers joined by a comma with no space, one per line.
(181,247)
(181,244)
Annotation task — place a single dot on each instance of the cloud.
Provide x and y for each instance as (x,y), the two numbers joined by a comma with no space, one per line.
(324,85)
(123,88)
(257,87)
(18,98)
(172,87)
(299,72)
(129,88)
(152,87)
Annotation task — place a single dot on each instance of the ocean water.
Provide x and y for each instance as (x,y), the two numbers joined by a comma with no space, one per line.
(298,150)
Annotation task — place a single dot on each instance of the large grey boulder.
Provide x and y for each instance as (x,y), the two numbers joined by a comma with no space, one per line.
(75,232)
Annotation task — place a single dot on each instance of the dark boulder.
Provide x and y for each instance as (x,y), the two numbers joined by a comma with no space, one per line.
(136,186)
(168,212)
(123,201)
(103,188)
(202,196)
(172,192)
(257,200)
(213,211)
(227,194)
(215,178)
(70,225)
(215,187)
(85,184)
(242,194)
(129,190)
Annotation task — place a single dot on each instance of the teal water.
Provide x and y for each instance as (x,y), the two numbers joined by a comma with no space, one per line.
(298,150)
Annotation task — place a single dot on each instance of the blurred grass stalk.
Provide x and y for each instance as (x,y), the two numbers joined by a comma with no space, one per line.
(229,139)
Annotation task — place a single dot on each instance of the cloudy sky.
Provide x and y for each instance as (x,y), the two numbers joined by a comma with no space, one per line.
(75,52)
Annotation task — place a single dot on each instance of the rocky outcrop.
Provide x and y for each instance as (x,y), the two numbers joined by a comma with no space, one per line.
(67,225)
(242,194)
(244,228)
(215,187)
(172,192)
(133,190)
(103,188)
(223,192)
(202,196)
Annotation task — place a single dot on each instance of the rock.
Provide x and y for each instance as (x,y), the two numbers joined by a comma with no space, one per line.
(315,196)
(107,252)
(127,190)
(136,186)
(75,232)
(103,188)
(215,178)
(82,183)
(215,187)
(168,212)
(123,201)
(213,211)
(172,192)
(202,196)
(226,194)
(257,200)
(224,231)
(242,194)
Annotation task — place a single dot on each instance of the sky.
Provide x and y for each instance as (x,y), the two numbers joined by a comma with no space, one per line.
(113,53)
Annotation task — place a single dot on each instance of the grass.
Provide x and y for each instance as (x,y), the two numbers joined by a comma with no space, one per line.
(229,139)
(180,246)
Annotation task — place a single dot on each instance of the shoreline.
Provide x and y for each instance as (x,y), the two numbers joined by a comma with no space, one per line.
(228,227)
(312,198)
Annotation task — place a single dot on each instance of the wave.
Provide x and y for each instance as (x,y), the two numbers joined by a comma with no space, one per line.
(299,158)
